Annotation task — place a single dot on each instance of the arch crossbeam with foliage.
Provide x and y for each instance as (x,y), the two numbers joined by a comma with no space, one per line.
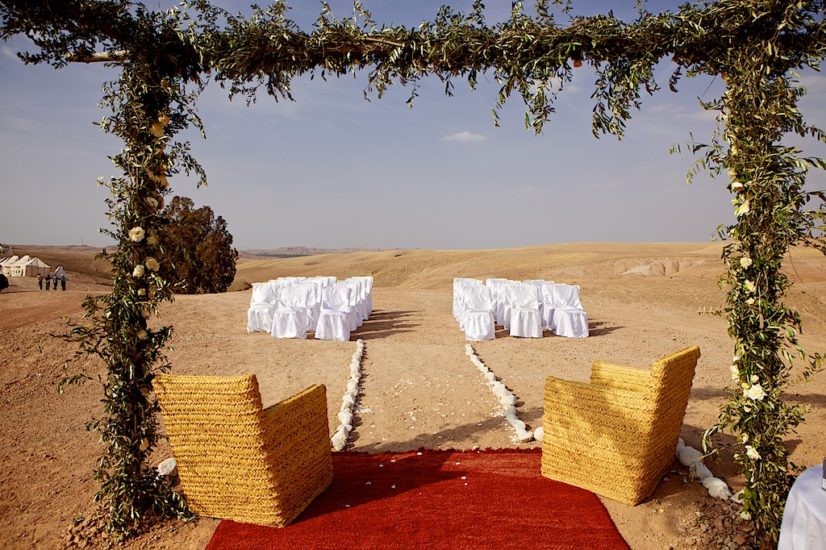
(165,57)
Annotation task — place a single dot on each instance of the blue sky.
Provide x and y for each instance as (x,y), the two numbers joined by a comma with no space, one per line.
(332,170)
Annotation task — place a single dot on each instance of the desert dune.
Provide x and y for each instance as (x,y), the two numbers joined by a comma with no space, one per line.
(419,388)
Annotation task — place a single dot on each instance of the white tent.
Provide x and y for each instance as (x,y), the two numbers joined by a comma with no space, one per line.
(33,267)
(16,269)
(5,265)
(26,266)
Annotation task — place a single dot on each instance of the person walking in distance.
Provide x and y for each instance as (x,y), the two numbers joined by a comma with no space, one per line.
(63,281)
(40,280)
(48,282)
(54,281)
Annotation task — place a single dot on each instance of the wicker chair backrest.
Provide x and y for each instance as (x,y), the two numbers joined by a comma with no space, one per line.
(214,424)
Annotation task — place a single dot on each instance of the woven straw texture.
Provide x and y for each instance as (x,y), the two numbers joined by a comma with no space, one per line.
(241,462)
(617,435)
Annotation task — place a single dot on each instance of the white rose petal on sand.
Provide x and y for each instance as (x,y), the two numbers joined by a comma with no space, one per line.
(348,401)
(506,398)
(691,457)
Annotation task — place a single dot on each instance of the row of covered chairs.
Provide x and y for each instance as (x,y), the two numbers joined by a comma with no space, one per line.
(525,308)
(290,307)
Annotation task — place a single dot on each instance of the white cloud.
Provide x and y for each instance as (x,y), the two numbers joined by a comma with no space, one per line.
(814,83)
(10,53)
(680,112)
(465,137)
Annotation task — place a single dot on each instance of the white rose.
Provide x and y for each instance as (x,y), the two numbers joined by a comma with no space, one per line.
(745,515)
(745,438)
(737,186)
(138,271)
(745,262)
(735,372)
(756,392)
(153,264)
(749,286)
(742,209)
(136,234)
(750,301)
(752,453)
(754,379)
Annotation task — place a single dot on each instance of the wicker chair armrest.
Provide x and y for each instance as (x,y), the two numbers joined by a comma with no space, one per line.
(297,444)
(598,405)
(620,376)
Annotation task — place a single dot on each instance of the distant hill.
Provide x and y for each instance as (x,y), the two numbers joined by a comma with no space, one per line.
(570,263)
(295,252)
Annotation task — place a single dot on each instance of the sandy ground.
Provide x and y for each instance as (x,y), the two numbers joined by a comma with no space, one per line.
(419,388)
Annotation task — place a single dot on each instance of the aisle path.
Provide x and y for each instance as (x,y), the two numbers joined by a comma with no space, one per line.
(419,388)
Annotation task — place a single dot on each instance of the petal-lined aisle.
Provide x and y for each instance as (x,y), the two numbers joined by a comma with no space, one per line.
(419,389)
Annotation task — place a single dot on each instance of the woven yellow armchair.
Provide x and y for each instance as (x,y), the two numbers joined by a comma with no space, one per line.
(239,461)
(617,436)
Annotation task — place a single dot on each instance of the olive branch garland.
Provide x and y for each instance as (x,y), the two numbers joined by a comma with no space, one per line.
(167,57)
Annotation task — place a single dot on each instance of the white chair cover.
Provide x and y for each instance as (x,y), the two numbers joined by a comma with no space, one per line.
(477,315)
(506,297)
(294,311)
(314,306)
(568,318)
(354,317)
(262,307)
(538,283)
(334,319)
(459,286)
(497,287)
(465,286)
(524,311)
(547,296)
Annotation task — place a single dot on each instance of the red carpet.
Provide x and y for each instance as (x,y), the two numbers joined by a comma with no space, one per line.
(438,499)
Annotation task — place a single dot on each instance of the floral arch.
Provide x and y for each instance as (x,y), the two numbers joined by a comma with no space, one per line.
(753,45)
